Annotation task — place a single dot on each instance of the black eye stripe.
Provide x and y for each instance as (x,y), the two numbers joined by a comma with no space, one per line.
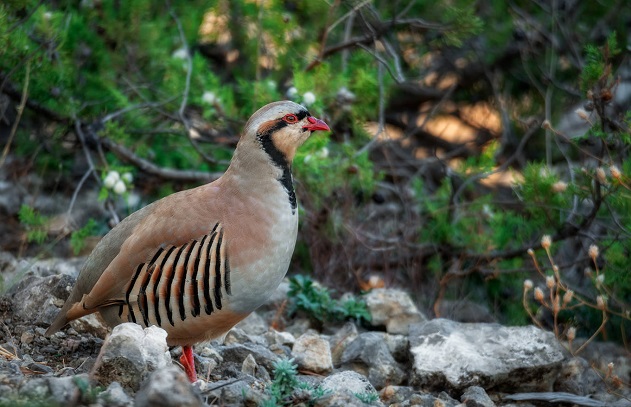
(299,115)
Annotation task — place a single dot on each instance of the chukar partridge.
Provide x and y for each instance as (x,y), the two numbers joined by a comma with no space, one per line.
(197,262)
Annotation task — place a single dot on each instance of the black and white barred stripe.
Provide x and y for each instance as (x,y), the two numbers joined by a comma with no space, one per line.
(178,282)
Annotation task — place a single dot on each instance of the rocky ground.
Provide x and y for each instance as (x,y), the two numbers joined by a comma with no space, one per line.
(403,360)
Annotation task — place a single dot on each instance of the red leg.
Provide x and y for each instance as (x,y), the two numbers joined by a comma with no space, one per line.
(188,362)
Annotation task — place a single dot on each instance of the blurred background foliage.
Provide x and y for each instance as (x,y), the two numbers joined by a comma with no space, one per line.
(462,132)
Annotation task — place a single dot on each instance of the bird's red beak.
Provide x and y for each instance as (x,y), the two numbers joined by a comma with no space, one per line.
(316,124)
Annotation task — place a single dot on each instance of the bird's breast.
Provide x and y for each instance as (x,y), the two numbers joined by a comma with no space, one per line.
(259,268)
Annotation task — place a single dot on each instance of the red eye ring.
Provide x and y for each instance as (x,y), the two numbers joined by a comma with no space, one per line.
(290,118)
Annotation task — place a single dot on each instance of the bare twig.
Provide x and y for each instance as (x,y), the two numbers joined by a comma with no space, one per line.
(382,108)
(128,109)
(348,14)
(557,397)
(75,194)
(367,39)
(20,109)
(127,155)
(92,167)
(185,93)
(382,61)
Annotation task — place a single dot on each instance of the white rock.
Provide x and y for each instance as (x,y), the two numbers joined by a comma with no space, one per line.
(341,339)
(167,387)
(313,353)
(393,308)
(253,324)
(130,353)
(347,381)
(90,324)
(274,337)
(459,355)
(249,365)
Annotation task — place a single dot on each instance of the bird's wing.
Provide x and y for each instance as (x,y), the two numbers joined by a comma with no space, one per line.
(136,240)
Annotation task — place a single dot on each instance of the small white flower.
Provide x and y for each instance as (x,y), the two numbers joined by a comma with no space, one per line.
(307,158)
(571,333)
(128,177)
(593,251)
(539,294)
(323,153)
(292,92)
(271,84)
(209,97)
(119,187)
(181,53)
(47,15)
(308,98)
(109,182)
(111,179)
(527,285)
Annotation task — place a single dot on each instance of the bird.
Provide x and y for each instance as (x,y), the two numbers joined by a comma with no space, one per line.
(197,262)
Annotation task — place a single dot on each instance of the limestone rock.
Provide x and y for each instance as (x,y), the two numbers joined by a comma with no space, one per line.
(393,309)
(279,338)
(311,352)
(237,353)
(92,324)
(238,335)
(340,341)
(342,389)
(115,396)
(33,298)
(368,354)
(475,396)
(458,355)
(167,387)
(234,392)
(253,324)
(130,354)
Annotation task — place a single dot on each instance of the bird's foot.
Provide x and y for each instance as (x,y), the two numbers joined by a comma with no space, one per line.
(188,361)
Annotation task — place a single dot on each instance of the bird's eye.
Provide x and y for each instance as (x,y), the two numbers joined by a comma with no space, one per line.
(290,118)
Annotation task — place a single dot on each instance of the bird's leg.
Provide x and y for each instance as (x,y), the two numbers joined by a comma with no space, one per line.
(188,362)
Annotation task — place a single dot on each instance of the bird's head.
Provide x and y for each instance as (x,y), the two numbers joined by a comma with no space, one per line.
(282,127)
